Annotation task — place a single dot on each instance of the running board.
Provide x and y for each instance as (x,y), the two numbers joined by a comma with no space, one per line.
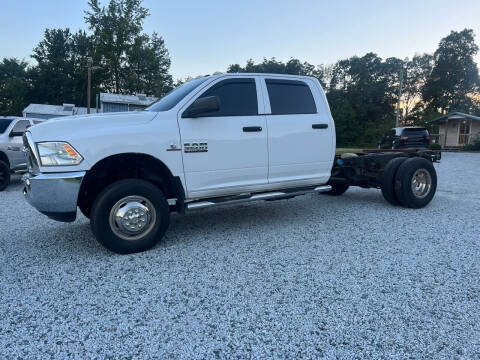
(274,195)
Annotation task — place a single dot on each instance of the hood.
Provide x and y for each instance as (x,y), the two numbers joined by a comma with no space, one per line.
(63,128)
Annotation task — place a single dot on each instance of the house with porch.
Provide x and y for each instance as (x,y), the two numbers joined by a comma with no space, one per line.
(456,129)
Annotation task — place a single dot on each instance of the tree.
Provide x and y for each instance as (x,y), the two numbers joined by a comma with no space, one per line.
(14,86)
(148,66)
(130,61)
(273,66)
(362,87)
(60,75)
(454,80)
(415,74)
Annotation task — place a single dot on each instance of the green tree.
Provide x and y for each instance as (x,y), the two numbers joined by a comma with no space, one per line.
(115,29)
(60,75)
(14,86)
(148,66)
(454,80)
(273,66)
(363,87)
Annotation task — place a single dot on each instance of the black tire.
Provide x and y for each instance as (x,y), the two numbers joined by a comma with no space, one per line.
(408,174)
(107,230)
(337,189)
(388,180)
(4,175)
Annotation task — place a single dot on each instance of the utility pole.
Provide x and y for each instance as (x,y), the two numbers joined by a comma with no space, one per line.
(89,82)
(397,117)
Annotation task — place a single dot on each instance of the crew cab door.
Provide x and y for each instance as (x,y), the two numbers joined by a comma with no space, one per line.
(225,151)
(301,134)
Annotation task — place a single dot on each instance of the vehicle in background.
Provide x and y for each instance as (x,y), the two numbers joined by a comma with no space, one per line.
(405,138)
(12,158)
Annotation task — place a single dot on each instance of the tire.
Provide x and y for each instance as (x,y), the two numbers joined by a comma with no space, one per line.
(415,182)
(4,175)
(388,180)
(337,189)
(137,203)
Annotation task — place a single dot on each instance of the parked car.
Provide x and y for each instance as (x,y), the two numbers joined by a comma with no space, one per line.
(405,138)
(12,159)
(221,139)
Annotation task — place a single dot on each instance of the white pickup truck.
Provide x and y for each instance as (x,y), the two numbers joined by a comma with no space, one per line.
(215,140)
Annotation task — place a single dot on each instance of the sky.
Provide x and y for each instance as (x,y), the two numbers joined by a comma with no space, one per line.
(207,36)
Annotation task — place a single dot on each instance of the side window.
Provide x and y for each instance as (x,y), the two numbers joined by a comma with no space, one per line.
(21,126)
(237,97)
(290,97)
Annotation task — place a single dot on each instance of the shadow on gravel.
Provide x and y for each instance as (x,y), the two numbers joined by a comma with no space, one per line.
(76,239)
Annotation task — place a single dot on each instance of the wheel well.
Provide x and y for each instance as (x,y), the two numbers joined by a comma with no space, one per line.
(4,158)
(126,166)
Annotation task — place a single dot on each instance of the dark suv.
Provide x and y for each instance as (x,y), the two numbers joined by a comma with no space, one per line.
(405,138)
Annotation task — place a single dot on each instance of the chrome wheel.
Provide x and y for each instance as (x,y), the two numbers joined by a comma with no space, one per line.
(421,183)
(132,217)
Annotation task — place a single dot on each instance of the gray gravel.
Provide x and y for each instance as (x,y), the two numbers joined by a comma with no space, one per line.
(311,277)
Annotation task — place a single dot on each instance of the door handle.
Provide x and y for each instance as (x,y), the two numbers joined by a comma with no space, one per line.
(252,128)
(319,126)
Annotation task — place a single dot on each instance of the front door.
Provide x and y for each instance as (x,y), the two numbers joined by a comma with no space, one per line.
(301,134)
(225,152)
(464,132)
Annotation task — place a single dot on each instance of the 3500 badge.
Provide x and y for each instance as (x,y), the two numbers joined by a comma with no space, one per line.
(195,147)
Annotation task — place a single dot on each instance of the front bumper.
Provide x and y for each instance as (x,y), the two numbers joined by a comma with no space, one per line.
(54,194)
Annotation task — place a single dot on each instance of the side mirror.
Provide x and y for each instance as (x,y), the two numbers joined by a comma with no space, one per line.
(202,106)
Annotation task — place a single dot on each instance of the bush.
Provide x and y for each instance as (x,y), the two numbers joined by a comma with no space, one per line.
(434,146)
(474,146)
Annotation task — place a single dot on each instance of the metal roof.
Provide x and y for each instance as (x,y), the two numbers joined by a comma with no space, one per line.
(58,110)
(138,99)
(454,115)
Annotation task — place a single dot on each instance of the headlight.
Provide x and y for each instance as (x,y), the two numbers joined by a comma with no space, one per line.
(58,154)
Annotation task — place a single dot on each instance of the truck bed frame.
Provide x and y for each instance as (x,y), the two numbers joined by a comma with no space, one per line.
(366,169)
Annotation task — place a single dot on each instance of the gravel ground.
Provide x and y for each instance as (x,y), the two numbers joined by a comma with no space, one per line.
(311,277)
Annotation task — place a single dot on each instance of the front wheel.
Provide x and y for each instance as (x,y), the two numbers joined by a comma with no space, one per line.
(4,175)
(130,216)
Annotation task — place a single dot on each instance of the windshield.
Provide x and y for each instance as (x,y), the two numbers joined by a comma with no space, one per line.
(4,124)
(415,132)
(174,96)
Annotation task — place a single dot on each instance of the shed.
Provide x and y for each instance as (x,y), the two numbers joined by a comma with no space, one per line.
(44,111)
(122,102)
(457,129)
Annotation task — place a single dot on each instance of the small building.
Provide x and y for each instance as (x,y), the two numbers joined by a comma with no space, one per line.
(457,129)
(43,111)
(121,102)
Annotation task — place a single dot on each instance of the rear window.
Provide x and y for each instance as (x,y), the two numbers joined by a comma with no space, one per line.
(290,97)
(415,132)
(4,123)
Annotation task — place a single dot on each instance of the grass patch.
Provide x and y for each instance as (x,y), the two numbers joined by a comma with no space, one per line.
(339,151)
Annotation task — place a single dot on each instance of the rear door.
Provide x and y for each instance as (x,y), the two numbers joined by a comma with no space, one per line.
(225,152)
(301,134)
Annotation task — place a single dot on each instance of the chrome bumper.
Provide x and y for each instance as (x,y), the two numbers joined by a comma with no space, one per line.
(54,195)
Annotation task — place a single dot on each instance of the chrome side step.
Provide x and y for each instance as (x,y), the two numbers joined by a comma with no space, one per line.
(258,196)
